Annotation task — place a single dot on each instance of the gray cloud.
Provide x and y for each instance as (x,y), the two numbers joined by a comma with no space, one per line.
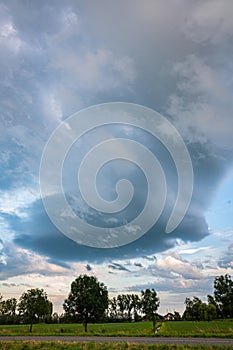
(226,261)
(117,266)
(58,57)
(15,262)
(178,285)
(88,267)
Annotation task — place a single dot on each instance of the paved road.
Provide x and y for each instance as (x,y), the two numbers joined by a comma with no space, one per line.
(139,340)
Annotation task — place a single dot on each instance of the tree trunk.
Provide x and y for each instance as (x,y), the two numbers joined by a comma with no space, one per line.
(30,329)
(85,327)
(154,321)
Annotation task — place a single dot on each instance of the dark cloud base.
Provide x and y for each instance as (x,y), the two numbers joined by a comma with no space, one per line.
(38,234)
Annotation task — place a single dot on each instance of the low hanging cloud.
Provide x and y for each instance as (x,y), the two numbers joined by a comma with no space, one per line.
(16,261)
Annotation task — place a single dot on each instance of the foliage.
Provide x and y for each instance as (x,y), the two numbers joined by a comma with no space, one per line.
(87,301)
(177,316)
(34,306)
(223,293)
(197,310)
(8,311)
(124,307)
(150,304)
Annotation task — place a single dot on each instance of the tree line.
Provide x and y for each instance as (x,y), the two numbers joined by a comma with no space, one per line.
(220,305)
(88,301)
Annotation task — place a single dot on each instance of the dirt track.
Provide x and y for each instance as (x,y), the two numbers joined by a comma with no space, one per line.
(139,340)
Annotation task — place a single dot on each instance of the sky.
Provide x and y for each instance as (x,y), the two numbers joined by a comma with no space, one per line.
(59,59)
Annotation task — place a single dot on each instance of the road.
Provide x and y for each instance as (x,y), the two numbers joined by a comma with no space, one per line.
(139,340)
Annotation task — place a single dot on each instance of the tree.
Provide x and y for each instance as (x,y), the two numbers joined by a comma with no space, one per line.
(213,305)
(223,293)
(177,316)
(34,305)
(112,309)
(8,307)
(87,301)
(8,311)
(197,310)
(135,306)
(211,312)
(121,305)
(150,304)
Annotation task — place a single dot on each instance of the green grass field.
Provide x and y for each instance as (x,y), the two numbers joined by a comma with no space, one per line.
(136,329)
(218,328)
(29,345)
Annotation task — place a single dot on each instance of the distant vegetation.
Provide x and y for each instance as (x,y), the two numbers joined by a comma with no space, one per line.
(88,302)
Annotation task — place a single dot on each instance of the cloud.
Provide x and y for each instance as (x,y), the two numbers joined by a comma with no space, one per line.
(57,58)
(202,107)
(88,267)
(210,21)
(117,266)
(193,250)
(138,264)
(34,231)
(16,261)
(98,71)
(226,261)
(176,265)
(182,286)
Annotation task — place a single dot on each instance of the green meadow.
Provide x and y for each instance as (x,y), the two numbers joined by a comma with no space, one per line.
(217,328)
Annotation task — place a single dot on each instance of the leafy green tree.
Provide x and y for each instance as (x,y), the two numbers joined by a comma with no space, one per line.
(121,305)
(8,311)
(34,305)
(87,301)
(177,316)
(211,312)
(188,312)
(112,309)
(150,304)
(8,307)
(136,306)
(197,310)
(223,293)
(125,304)
(212,302)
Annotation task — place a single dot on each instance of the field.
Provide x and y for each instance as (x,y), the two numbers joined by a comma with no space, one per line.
(106,329)
(29,345)
(218,328)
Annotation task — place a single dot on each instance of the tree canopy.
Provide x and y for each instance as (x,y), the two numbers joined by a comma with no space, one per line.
(34,305)
(150,304)
(223,293)
(87,301)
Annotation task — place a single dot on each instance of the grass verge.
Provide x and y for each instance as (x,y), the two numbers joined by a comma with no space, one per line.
(28,345)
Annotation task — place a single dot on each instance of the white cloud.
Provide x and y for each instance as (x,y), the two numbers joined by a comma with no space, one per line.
(98,70)
(202,106)
(178,266)
(17,261)
(193,250)
(210,20)
(15,201)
